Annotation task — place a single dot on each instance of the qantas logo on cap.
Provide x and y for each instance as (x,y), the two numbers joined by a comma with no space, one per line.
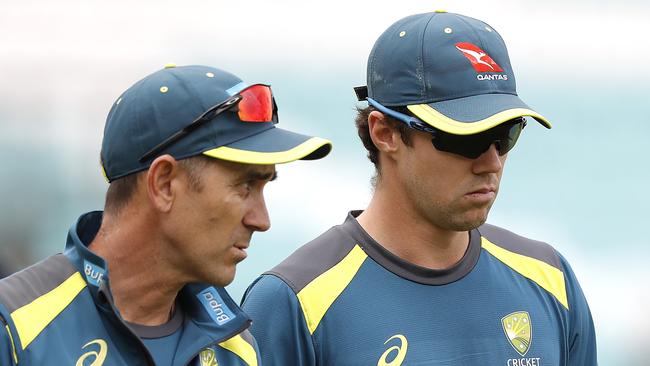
(481,61)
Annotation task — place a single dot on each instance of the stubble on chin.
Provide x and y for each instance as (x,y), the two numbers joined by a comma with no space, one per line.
(458,217)
(473,220)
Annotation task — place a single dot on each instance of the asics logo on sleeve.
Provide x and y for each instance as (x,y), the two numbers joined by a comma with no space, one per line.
(100,355)
(401,349)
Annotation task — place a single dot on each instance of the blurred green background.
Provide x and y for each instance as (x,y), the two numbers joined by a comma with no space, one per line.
(582,186)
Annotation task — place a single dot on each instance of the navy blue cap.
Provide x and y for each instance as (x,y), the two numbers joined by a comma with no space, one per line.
(168,100)
(451,71)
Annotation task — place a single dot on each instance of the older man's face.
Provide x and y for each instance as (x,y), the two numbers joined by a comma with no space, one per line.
(216,221)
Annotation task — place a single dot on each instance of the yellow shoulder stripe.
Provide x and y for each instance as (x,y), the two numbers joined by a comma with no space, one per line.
(548,277)
(320,293)
(241,348)
(31,319)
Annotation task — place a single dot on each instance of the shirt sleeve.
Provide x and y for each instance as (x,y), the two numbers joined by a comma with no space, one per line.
(7,351)
(279,325)
(582,334)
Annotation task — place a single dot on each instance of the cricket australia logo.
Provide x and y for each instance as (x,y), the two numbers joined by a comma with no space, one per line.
(208,357)
(518,329)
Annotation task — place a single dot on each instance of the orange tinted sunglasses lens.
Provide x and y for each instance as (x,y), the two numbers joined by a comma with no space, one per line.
(256,104)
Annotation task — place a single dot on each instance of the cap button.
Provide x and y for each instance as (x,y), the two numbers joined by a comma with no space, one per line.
(440,11)
(170,65)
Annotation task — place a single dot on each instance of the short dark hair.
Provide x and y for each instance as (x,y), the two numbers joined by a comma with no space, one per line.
(361,121)
(120,191)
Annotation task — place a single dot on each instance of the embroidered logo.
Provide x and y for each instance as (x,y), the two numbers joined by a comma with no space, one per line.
(208,357)
(518,329)
(100,355)
(215,306)
(401,350)
(480,60)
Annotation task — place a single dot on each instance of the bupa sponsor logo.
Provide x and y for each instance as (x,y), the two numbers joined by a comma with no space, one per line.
(481,62)
(519,332)
(215,306)
(94,273)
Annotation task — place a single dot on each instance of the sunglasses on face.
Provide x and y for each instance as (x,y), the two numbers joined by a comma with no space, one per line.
(253,104)
(503,136)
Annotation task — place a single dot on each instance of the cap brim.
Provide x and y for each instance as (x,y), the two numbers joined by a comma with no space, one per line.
(273,146)
(470,115)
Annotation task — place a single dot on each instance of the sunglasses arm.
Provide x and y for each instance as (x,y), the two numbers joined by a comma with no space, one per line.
(421,126)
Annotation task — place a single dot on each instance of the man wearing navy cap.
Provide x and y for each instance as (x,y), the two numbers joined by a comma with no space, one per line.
(418,278)
(187,151)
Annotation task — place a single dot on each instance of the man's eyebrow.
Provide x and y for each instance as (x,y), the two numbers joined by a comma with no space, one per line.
(255,175)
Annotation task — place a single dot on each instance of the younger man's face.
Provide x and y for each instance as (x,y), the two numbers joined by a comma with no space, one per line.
(450,191)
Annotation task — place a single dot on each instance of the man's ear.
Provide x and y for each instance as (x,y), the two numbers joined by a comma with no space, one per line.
(385,137)
(162,182)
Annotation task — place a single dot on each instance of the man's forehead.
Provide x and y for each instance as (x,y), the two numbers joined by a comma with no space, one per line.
(251,170)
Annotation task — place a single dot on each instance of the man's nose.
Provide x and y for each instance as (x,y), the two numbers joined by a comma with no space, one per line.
(257,217)
(488,162)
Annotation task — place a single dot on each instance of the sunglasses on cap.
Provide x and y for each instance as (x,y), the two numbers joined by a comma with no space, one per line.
(253,104)
(503,136)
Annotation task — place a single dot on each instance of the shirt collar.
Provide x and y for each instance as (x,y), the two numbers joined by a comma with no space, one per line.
(92,267)
(210,307)
(408,270)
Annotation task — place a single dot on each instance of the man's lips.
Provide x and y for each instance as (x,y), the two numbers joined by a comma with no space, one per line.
(486,194)
(241,246)
(241,251)
(483,190)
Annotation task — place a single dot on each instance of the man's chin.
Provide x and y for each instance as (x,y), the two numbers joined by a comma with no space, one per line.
(466,226)
(469,222)
(224,278)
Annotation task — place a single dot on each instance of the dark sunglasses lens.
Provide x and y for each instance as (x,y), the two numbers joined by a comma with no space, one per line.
(256,104)
(467,146)
(472,146)
(507,138)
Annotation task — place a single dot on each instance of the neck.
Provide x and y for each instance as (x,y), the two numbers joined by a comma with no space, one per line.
(398,228)
(144,289)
